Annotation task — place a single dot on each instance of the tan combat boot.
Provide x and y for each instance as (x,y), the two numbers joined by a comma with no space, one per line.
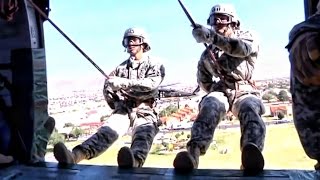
(187,160)
(64,156)
(50,124)
(126,158)
(5,159)
(251,158)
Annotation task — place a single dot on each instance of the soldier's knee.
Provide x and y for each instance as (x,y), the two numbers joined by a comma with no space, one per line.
(252,104)
(214,101)
(145,131)
(109,133)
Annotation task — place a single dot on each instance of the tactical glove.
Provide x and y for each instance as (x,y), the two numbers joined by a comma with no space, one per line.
(201,33)
(117,83)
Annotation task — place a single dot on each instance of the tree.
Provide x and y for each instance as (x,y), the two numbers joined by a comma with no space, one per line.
(168,111)
(177,136)
(273,93)
(280,115)
(270,85)
(283,96)
(268,97)
(55,138)
(68,125)
(76,132)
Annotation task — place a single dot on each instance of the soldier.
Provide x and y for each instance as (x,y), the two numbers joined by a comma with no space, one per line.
(304,55)
(136,82)
(235,53)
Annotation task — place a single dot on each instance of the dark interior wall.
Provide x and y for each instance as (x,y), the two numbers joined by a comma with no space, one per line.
(310,7)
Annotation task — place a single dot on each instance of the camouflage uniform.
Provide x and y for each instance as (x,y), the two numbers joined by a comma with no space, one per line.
(236,57)
(133,106)
(238,63)
(133,110)
(41,139)
(304,49)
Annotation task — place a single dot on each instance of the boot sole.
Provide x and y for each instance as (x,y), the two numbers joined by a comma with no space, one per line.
(125,158)
(183,162)
(252,159)
(50,124)
(62,154)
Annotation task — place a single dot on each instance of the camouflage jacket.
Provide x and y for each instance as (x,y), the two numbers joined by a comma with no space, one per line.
(147,74)
(236,57)
(304,48)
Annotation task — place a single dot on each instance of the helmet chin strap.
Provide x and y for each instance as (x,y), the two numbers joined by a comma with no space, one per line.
(126,49)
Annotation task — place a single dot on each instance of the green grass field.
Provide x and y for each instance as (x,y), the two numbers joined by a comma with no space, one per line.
(282,151)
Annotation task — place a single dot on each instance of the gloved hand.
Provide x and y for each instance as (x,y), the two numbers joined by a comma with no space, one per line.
(201,33)
(117,83)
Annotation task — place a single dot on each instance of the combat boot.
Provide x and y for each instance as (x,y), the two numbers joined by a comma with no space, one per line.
(251,158)
(5,159)
(44,138)
(64,156)
(50,124)
(126,158)
(187,160)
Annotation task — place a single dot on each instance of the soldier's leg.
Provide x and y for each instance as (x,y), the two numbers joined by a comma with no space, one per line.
(249,108)
(145,128)
(306,111)
(212,109)
(42,134)
(115,126)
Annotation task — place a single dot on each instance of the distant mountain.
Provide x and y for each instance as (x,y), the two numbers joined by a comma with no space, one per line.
(59,86)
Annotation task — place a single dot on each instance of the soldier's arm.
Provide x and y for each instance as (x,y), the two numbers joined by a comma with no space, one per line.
(313,47)
(108,93)
(204,77)
(243,46)
(154,77)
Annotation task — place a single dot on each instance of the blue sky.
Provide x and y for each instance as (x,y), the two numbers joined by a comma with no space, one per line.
(98,28)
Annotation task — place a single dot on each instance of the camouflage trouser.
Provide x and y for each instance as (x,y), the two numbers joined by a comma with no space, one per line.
(212,108)
(306,116)
(41,138)
(143,120)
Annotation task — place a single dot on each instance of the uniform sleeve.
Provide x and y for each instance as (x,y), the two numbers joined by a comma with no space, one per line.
(305,58)
(154,76)
(244,45)
(108,94)
(204,77)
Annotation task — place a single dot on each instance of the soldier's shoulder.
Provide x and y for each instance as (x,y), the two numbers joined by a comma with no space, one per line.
(154,60)
(308,26)
(248,35)
(124,63)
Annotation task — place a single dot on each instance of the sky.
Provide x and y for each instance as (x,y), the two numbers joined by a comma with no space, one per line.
(97,28)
